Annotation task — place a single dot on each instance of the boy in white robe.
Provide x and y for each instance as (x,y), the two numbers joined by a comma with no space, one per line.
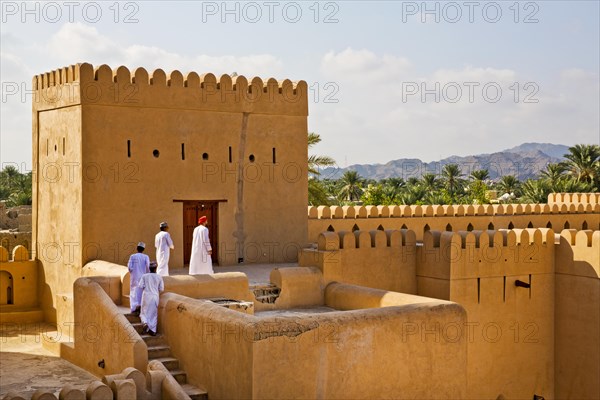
(152,284)
(138,265)
(201,260)
(163,244)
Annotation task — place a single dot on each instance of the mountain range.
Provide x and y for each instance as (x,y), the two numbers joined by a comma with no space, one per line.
(524,161)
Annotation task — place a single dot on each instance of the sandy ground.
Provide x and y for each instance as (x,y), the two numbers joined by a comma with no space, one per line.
(25,366)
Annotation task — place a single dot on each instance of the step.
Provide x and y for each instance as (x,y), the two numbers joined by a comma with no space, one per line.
(157,340)
(180,376)
(195,392)
(158,352)
(267,298)
(170,363)
(133,318)
(138,326)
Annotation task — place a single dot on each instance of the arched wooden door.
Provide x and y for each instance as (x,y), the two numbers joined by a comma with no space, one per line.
(192,210)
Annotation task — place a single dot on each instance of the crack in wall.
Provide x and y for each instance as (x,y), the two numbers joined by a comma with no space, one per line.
(291,329)
(239,233)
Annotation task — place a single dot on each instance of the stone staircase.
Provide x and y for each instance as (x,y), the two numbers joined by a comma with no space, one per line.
(158,349)
(265,293)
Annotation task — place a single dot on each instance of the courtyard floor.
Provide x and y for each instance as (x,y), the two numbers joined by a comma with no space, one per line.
(26,366)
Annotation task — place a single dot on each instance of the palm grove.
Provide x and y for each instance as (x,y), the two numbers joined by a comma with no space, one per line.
(580,172)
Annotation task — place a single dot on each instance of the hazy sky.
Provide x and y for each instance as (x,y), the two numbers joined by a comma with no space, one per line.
(386,79)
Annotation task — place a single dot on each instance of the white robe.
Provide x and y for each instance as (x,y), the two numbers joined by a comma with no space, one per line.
(152,285)
(138,265)
(163,243)
(200,260)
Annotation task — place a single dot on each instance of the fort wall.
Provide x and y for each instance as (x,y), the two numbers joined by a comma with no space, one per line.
(577,315)
(118,151)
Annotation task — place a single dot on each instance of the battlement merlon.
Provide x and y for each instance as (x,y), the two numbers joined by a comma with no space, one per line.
(82,84)
(490,253)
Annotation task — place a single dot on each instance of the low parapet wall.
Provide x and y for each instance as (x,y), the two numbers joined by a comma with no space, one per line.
(102,333)
(342,296)
(232,285)
(369,353)
(452,217)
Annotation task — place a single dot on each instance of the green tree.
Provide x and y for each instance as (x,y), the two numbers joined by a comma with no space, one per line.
(554,176)
(478,192)
(413,195)
(317,194)
(430,182)
(453,183)
(535,191)
(15,187)
(509,184)
(480,175)
(350,186)
(373,195)
(583,163)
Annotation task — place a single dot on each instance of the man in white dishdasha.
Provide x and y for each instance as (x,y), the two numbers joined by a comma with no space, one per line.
(152,284)
(201,260)
(164,245)
(138,265)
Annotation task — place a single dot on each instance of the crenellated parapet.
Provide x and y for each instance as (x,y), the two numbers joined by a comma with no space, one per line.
(18,280)
(84,84)
(345,240)
(460,210)
(490,253)
(458,217)
(578,253)
(377,259)
(574,198)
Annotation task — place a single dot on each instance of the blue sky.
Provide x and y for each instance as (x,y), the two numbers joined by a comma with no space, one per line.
(386,79)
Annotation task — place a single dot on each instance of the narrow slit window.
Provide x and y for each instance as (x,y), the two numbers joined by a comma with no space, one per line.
(274,155)
(47,147)
(129,149)
(478,290)
(183,151)
(230,160)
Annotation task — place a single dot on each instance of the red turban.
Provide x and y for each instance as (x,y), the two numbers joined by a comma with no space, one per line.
(202,219)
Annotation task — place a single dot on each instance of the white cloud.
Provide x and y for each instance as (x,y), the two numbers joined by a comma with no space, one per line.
(417,125)
(363,65)
(76,41)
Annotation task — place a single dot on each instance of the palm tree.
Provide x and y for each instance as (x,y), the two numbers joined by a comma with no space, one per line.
(583,162)
(392,187)
(351,186)
(412,181)
(451,175)
(429,182)
(480,175)
(553,175)
(508,184)
(535,191)
(317,195)
(15,187)
(414,195)
(316,162)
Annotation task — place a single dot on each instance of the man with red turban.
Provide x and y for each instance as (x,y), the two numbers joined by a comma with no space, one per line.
(201,261)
